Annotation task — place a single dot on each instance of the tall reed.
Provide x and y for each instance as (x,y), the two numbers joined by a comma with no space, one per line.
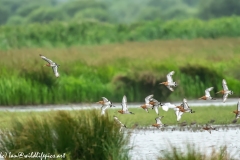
(134,69)
(83,135)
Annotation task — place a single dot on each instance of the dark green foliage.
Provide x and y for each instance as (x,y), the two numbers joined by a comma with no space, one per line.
(84,135)
(57,34)
(213,9)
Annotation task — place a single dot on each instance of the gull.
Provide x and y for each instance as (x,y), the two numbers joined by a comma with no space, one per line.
(207,94)
(147,104)
(237,112)
(225,92)
(51,64)
(105,104)
(124,106)
(170,82)
(120,123)
(158,123)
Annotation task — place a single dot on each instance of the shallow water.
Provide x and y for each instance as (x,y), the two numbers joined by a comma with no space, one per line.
(150,144)
(191,103)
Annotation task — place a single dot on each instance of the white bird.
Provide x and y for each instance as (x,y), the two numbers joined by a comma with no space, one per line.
(179,110)
(207,94)
(147,104)
(51,64)
(155,105)
(120,123)
(186,107)
(105,104)
(158,123)
(178,113)
(170,82)
(166,106)
(225,92)
(124,106)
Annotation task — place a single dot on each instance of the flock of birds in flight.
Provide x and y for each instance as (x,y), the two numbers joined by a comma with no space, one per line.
(151,103)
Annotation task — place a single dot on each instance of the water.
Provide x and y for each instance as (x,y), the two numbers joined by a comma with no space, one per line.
(150,144)
(191,103)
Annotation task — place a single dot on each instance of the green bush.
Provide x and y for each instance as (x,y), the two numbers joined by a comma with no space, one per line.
(84,135)
(60,34)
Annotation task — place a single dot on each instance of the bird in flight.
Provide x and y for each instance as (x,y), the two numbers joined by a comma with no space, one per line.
(51,64)
(105,104)
(207,94)
(124,106)
(225,91)
(169,83)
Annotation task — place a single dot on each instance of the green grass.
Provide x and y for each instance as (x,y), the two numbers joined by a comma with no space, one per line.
(191,152)
(134,69)
(80,135)
(222,115)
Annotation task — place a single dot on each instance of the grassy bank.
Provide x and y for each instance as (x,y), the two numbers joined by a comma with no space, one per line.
(134,69)
(222,115)
(85,135)
(79,135)
(59,34)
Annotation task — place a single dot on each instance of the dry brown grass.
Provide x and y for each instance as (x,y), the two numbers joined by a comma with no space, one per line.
(159,51)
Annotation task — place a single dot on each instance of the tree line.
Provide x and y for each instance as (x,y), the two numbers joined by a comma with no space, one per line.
(113,11)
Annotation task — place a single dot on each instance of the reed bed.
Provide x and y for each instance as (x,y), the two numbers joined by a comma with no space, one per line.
(191,152)
(88,73)
(78,135)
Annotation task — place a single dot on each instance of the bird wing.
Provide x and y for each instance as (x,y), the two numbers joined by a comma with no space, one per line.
(158,121)
(103,108)
(166,106)
(185,104)
(55,71)
(155,102)
(170,88)
(225,95)
(169,76)
(102,112)
(124,103)
(178,114)
(46,59)
(224,85)
(156,109)
(105,100)
(117,120)
(238,105)
(147,99)
(207,94)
